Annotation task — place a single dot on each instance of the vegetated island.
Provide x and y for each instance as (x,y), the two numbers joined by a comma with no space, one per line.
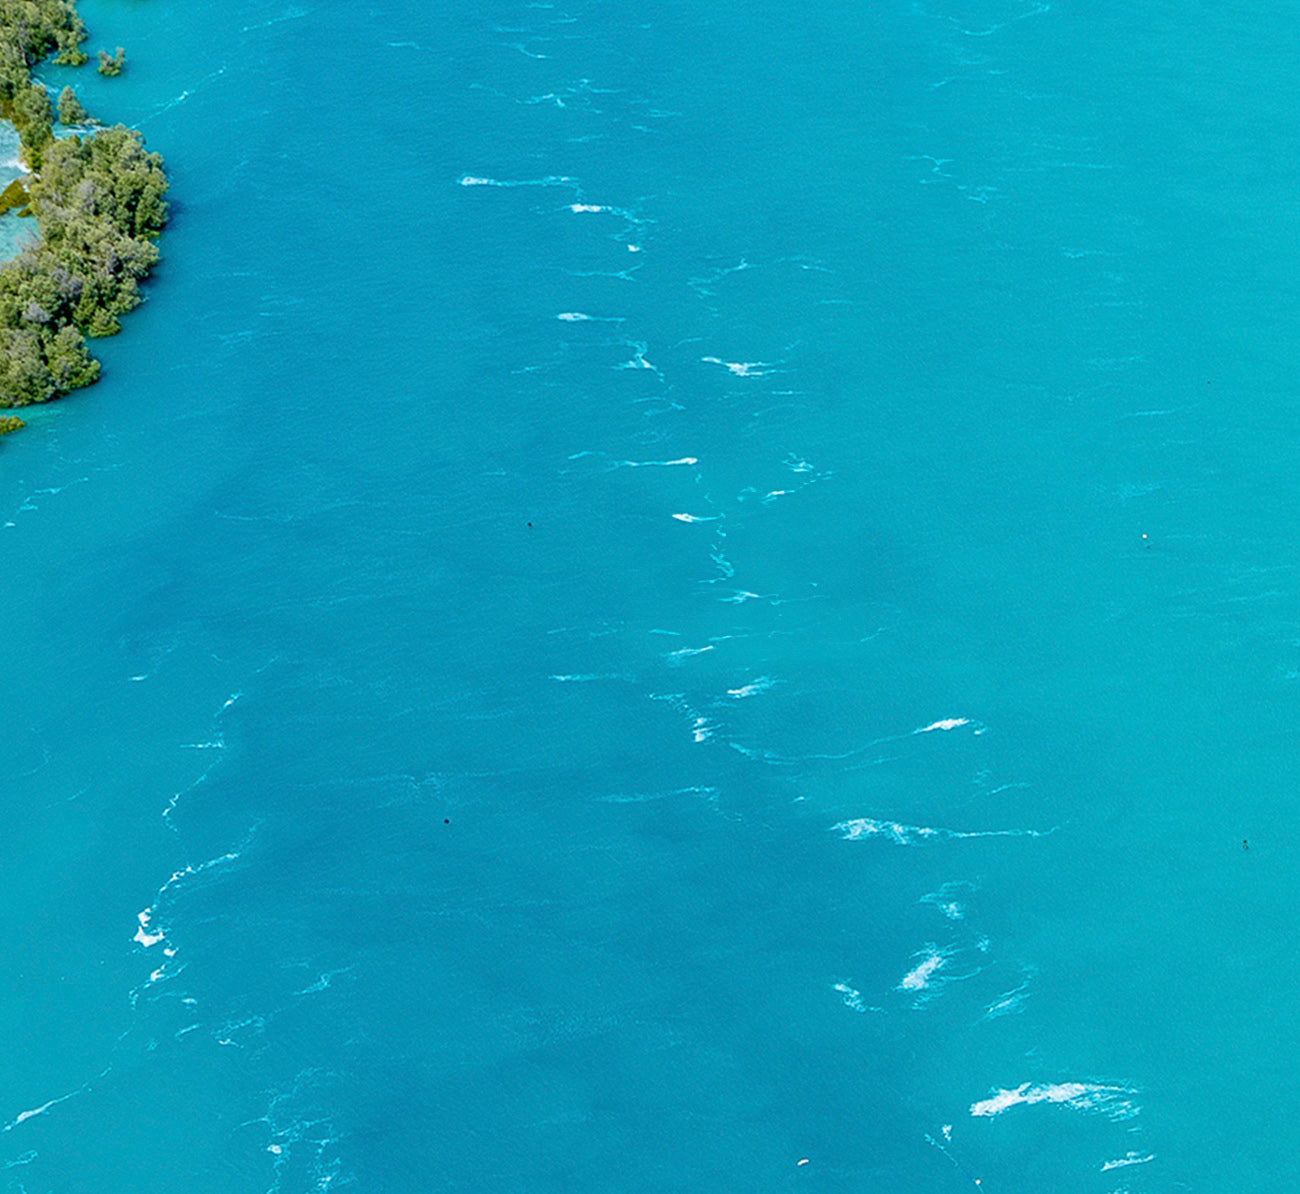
(97,198)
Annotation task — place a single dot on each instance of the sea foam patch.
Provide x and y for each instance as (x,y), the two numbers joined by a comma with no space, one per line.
(702,727)
(946,901)
(853,998)
(638,360)
(947,723)
(861,828)
(143,935)
(932,961)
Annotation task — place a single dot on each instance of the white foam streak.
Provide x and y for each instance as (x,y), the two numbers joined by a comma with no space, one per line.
(684,652)
(900,835)
(1096,1098)
(1006,1004)
(583,317)
(740,596)
(177,876)
(708,793)
(551,180)
(656,463)
(291,14)
(23,1116)
(907,835)
(948,723)
(1130,1158)
(324,981)
(762,684)
(585,677)
(741,368)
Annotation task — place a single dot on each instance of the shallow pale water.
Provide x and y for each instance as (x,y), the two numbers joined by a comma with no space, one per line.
(668,600)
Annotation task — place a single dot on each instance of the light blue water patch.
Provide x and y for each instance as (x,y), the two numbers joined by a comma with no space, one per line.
(692,600)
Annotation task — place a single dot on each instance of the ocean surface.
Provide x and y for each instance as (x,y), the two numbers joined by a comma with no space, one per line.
(681,598)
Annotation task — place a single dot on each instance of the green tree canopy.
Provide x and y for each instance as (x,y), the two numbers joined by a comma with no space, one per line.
(70,109)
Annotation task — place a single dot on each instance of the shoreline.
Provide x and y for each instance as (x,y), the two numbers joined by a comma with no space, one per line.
(97,200)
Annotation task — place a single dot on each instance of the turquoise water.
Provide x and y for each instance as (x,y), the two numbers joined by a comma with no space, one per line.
(668,600)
